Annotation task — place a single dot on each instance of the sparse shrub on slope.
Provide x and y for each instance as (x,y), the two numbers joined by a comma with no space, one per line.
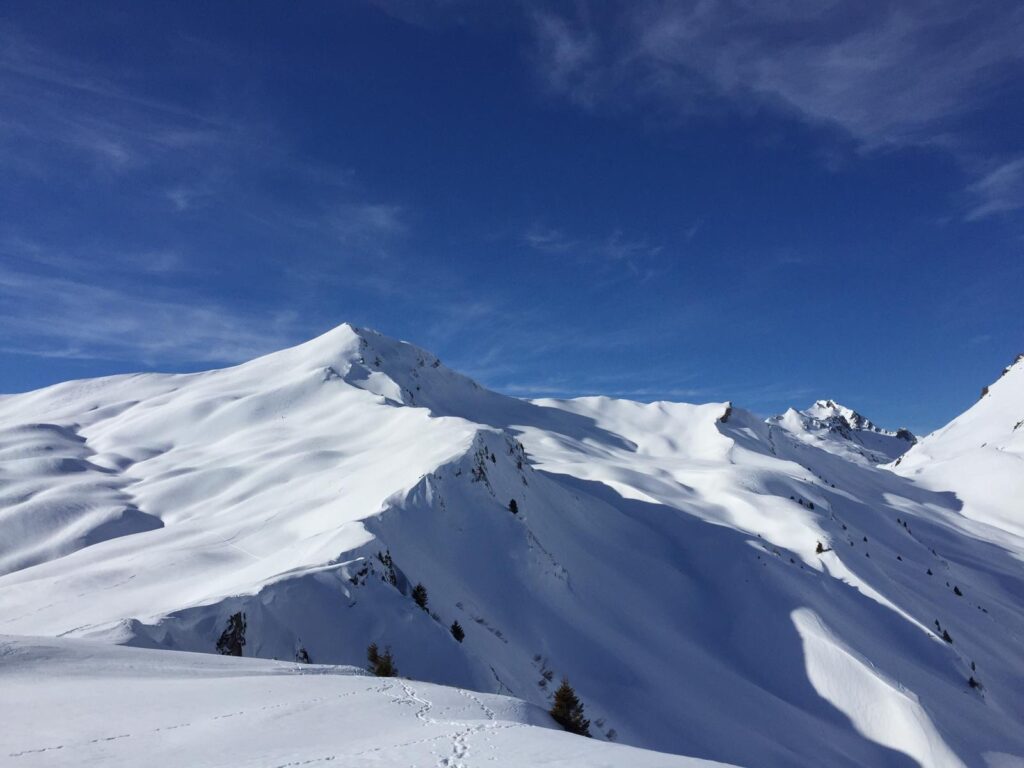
(389,567)
(457,631)
(232,639)
(568,710)
(419,596)
(381,664)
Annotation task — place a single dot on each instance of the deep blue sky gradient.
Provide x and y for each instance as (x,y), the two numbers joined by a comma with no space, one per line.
(556,199)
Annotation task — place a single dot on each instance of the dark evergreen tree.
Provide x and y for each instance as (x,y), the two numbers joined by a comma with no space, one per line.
(946,636)
(232,639)
(381,664)
(457,632)
(568,710)
(513,507)
(419,596)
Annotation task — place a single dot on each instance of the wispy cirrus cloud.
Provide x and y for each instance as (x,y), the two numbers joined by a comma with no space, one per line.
(882,75)
(83,113)
(86,320)
(548,239)
(613,255)
(999,191)
(79,121)
(367,224)
(72,288)
(885,74)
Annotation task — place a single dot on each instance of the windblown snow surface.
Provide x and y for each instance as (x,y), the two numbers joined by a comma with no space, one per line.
(663,556)
(84,703)
(980,455)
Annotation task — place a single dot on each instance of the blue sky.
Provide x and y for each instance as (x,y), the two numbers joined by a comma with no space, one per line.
(692,201)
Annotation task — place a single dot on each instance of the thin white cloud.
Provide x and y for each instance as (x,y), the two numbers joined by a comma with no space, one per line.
(548,239)
(637,256)
(567,55)
(92,260)
(885,74)
(357,221)
(86,320)
(999,191)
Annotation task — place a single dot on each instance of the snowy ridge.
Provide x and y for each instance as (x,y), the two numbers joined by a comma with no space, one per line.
(714,585)
(980,455)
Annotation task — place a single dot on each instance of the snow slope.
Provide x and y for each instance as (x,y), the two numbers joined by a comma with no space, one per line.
(663,556)
(980,455)
(72,702)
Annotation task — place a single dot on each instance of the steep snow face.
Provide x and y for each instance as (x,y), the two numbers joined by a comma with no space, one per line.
(980,455)
(713,585)
(250,472)
(843,431)
(72,702)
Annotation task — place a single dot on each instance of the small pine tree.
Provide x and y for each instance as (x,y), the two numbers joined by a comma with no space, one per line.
(568,710)
(302,656)
(419,596)
(457,631)
(381,664)
(232,639)
(946,636)
(513,507)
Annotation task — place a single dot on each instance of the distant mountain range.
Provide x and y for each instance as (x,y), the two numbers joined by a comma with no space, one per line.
(806,590)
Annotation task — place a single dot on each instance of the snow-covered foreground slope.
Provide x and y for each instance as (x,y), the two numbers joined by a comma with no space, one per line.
(72,702)
(980,455)
(664,556)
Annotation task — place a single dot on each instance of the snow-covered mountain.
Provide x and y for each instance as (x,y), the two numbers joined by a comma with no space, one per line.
(980,455)
(843,431)
(713,585)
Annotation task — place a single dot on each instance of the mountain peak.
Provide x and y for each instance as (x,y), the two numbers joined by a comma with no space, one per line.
(842,430)
(825,410)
